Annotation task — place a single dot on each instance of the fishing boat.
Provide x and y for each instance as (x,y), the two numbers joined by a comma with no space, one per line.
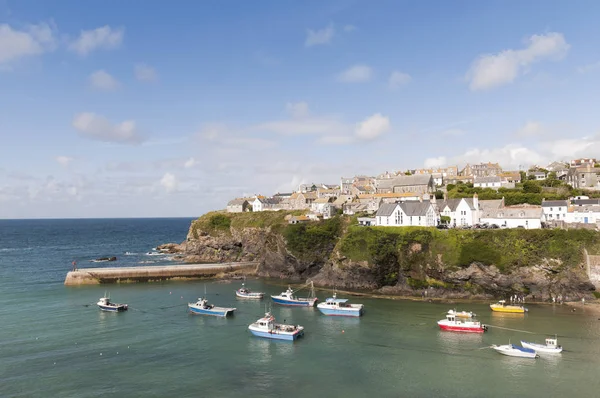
(246,293)
(501,306)
(462,314)
(288,298)
(267,327)
(202,307)
(551,346)
(105,305)
(340,307)
(515,351)
(454,324)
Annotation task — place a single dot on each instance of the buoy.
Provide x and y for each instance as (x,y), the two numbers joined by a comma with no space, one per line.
(117,352)
(55,363)
(170,292)
(343,331)
(100,354)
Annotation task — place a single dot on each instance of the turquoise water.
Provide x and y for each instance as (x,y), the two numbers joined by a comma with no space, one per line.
(54,342)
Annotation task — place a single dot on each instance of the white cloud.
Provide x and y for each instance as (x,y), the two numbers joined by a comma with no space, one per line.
(356,74)
(297,110)
(511,156)
(97,127)
(530,128)
(589,67)
(169,182)
(145,73)
(435,162)
(33,40)
(321,36)
(373,127)
(398,79)
(102,80)
(191,162)
(493,70)
(349,28)
(64,161)
(105,38)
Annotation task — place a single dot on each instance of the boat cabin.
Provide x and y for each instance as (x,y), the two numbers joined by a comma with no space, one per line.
(336,302)
(553,343)
(104,301)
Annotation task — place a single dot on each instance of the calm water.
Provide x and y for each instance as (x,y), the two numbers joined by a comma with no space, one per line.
(54,342)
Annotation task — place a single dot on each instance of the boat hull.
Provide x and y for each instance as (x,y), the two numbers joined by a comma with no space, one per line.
(221,312)
(542,348)
(515,352)
(119,308)
(510,310)
(353,312)
(277,335)
(294,303)
(251,296)
(463,329)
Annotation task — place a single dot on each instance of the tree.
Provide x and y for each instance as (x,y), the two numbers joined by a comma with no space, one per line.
(439,194)
(523,175)
(531,187)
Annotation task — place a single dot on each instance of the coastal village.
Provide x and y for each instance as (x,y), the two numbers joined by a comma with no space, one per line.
(428,197)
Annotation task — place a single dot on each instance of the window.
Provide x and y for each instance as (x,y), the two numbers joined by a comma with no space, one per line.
(551,209)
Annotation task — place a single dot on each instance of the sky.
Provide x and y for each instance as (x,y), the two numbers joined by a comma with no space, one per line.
(162,109)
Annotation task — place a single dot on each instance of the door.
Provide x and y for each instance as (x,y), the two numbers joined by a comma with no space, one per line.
(585,220)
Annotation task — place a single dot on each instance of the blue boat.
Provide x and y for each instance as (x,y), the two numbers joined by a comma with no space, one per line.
(288,298)
(201,307)
(267,327)
(105,305)
(340,307)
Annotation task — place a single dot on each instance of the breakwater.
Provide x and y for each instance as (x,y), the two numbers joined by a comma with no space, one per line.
(95,276)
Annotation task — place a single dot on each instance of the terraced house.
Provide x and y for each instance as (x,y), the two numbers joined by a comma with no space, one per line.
(406,214)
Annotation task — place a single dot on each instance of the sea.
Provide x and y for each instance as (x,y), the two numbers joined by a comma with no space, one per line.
(55,342)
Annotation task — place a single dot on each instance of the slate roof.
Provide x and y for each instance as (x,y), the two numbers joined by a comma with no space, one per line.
(554,203)
(482,180)
(415,208)
(386,209)
(236,202)
(517,212)
(583,202)
(402,181)
(492,204)
(451,203)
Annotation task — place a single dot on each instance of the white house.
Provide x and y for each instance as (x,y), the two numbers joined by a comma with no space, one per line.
(493,182)
(462,212)
(583,214)
(525,216)
(554,210)
(322,206)
(423,214)
(261,203)
(537,175)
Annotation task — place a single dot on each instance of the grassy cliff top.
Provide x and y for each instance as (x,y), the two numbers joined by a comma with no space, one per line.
(220,222)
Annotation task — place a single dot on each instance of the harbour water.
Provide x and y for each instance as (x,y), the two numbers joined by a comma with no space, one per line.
(54,342)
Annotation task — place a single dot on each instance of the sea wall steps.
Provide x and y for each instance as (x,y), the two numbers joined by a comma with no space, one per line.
(95,276)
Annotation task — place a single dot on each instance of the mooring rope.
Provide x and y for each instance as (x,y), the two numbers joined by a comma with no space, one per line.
(514,330)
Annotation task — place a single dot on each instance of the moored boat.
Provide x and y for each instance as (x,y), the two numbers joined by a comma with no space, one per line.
(288,298)
(105,305)
(462,314)
(515,351)
(267,327)
(246,293)
(202,307)
(501,306)
(454,324)
(551,346)
(340,307)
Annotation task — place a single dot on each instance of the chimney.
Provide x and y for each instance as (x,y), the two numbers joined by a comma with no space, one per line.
(445,196)
(476,201)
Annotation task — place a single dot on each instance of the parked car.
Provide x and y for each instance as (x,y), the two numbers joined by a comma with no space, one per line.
(442,226)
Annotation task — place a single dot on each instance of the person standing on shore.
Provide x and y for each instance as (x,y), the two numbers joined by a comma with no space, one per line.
(74,264)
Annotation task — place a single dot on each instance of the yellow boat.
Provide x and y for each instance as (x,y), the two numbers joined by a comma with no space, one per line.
(501,306)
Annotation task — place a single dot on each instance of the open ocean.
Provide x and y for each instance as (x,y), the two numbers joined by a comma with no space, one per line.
(55,342)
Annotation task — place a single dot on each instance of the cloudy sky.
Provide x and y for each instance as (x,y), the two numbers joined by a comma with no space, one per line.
(136,109)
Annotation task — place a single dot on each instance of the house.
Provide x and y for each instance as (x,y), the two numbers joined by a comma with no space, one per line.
(423,214)
(261,203)
(481,170)
(238,205)
(537,175)
(353,208)
(346,185)
(328,192)
(366,221)
(439,175)
(584,177)
(583,162)
(583,214)
(554,210)
(405,184)
(323,206)
(510,176)
(341,200)
(462,212)
(493,182)
(524,216)
(302,200)
(298,219)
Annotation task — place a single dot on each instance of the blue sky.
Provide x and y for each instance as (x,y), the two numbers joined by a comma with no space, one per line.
(132,109)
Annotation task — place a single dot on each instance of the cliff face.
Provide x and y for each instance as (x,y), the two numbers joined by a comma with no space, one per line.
(541,263)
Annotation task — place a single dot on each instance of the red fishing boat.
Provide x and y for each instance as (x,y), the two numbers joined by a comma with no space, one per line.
(454,324)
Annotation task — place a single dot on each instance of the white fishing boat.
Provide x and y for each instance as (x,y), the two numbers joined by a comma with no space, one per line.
(454,324)
(340,307)
(515,351)
(267,327)
(105,305)
(288,298)
(246,293)
(202,307)
(551,346)
(462,314)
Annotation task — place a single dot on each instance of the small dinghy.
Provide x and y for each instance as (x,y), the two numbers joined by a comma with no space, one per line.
(105,305)
(515,351)
(246,293)
(340,307)
(202,307)
(462,314)
(267,327)
(551,346)
(288,298)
